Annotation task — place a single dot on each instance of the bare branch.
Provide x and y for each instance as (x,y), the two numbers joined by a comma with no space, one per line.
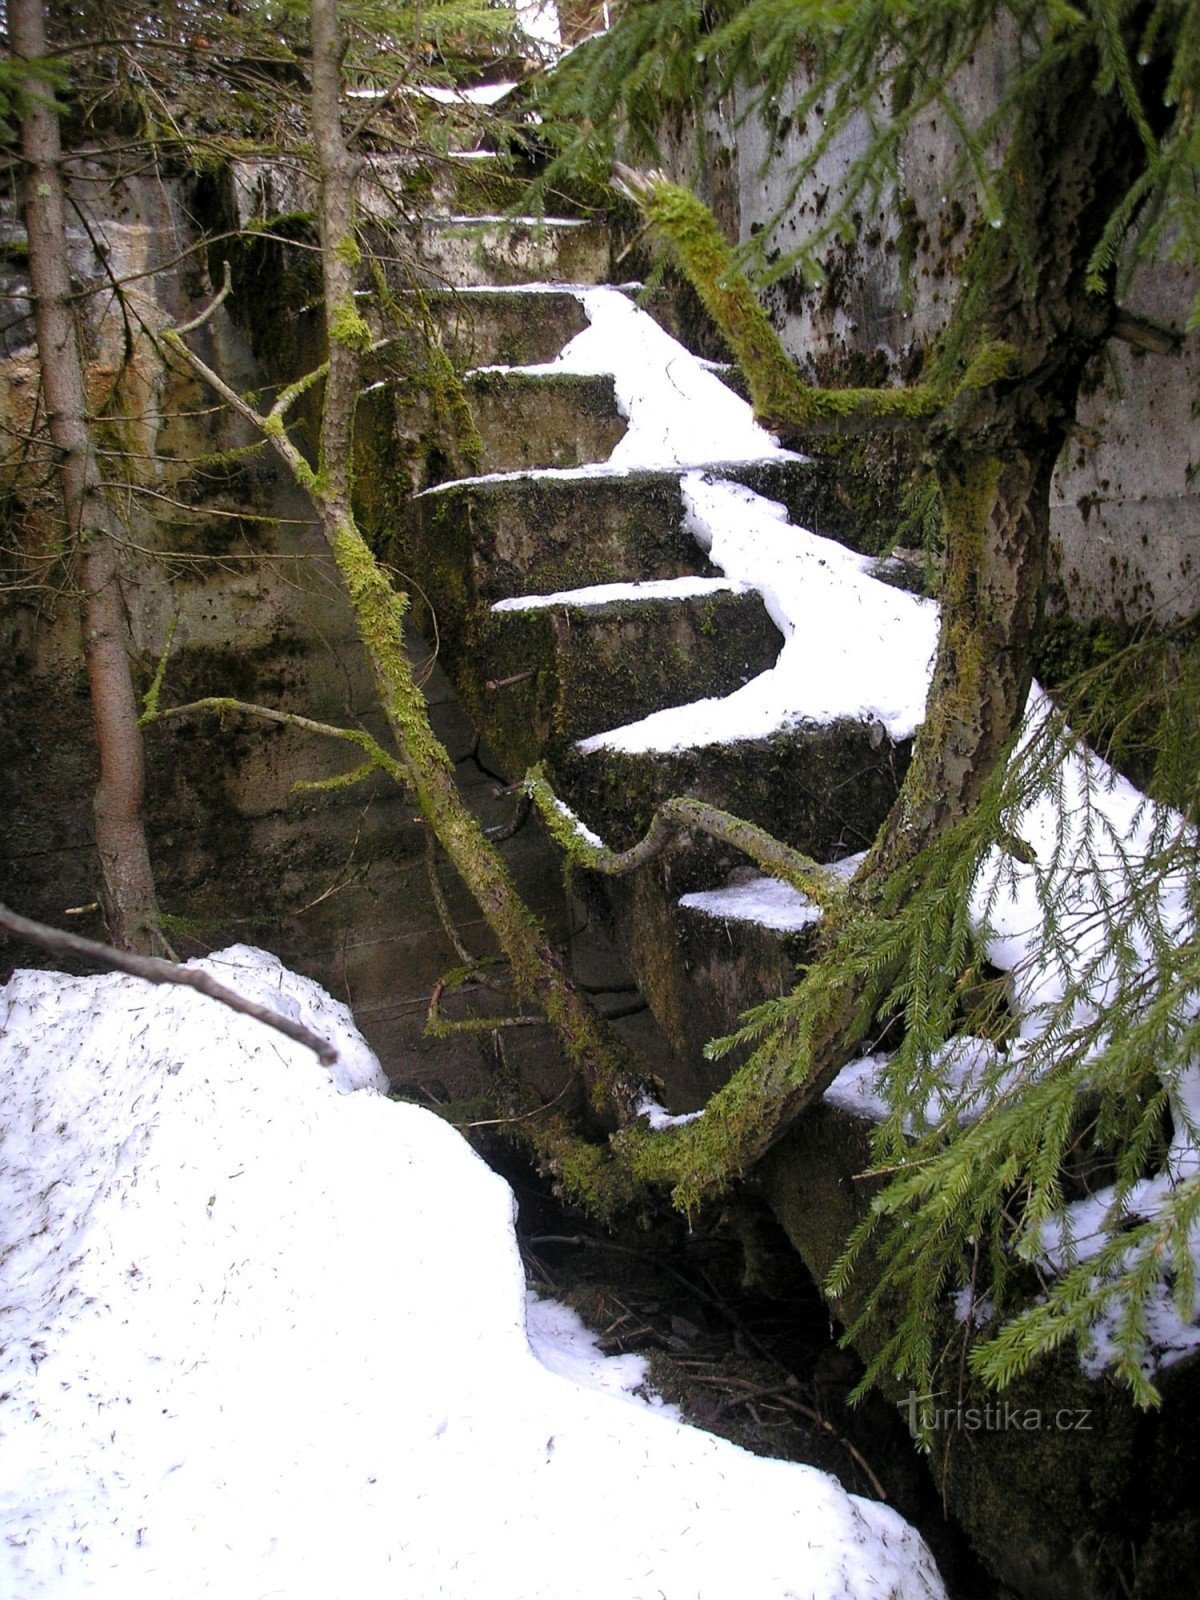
(153,970)
(1145,334)
(376,755)
(202,318)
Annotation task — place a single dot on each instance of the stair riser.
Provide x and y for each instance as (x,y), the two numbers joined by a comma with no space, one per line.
(454,254)
(472,545)
(824,790)
(554,421)
(508,327)
(583,669)
(698,974)
(569,421)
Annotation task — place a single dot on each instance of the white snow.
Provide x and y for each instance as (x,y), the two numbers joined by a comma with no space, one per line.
(480,94)
(265,1333)
(580,827)
(768,902)
(1093,838)
(853,647)
(539,20)
(658,1117)
(603,594)
(679,413)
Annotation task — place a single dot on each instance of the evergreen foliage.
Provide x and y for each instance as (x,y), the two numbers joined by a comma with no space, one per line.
(882,67)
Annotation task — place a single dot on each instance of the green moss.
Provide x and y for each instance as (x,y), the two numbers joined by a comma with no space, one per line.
(778,395)
(347,327)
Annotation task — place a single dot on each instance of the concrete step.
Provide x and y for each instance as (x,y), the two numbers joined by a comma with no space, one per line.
(538,678)
(823,788)
(469,250)
(517,327)
(561,419)
(487,539)
(558,421)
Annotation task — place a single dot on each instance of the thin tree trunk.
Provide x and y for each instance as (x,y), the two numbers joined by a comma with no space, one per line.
(126,882)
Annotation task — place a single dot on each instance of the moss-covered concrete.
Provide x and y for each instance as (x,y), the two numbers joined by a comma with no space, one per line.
(474,544)
(823,789)
(509,327)
(543,420)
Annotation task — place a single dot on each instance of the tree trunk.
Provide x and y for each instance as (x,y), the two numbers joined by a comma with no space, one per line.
(126,882)
(1074,154)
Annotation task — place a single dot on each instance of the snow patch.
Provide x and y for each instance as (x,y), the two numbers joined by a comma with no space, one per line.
(265,1332)
(603,594)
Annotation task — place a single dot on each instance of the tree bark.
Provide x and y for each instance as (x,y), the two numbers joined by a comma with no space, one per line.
(126,881)
(994,448)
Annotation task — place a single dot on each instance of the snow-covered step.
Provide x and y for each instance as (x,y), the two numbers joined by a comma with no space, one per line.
(542,675)
(470,250)
(822,787)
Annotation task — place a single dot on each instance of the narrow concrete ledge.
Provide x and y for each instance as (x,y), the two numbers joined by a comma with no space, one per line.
(471,251)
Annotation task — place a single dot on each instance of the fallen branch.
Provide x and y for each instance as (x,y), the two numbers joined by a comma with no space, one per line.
(153,970)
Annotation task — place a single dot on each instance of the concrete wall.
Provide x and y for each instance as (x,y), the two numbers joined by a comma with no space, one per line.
(225,560)
(1126,501)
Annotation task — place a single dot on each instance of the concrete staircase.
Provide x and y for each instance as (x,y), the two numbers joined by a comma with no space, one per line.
(508,558)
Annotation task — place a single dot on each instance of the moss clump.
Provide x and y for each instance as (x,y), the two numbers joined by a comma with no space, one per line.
(347,326)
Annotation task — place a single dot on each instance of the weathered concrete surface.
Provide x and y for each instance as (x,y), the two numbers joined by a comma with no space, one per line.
(1125,520)
(538,679)
(561,419)
(467,252)
(481,542)
(484,327)
(821,788)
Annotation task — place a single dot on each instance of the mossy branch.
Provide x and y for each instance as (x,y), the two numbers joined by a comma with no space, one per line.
(377,758)
(780,397)
(438,1026)
(677,816)
(287,397)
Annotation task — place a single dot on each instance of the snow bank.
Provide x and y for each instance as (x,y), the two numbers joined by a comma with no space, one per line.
(265,1333)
